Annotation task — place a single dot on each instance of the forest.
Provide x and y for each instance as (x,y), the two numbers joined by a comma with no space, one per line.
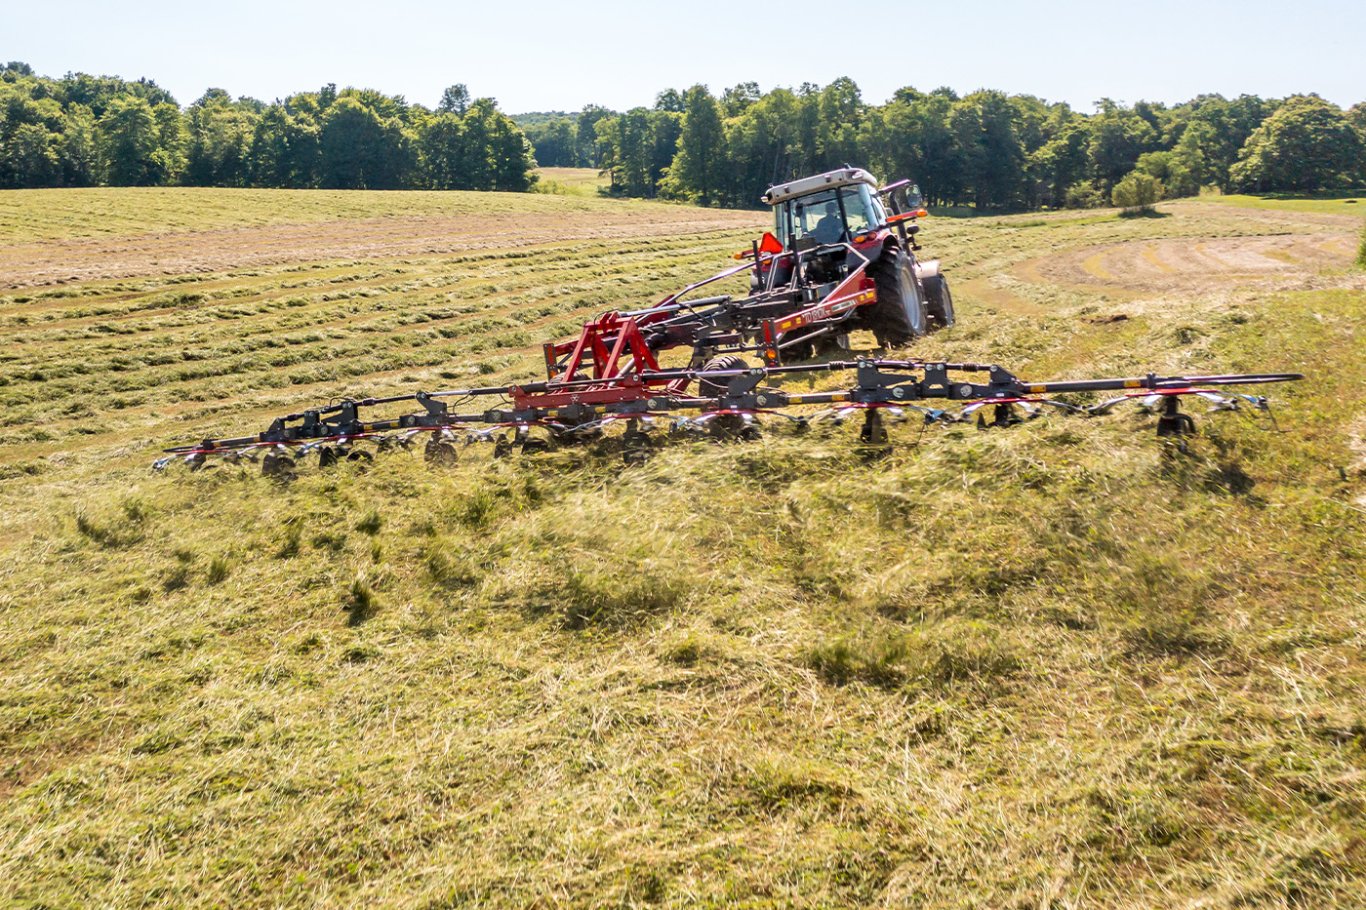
(989,150)
(84,130)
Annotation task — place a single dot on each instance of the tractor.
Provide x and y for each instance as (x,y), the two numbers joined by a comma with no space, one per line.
(846,260)
(848,221)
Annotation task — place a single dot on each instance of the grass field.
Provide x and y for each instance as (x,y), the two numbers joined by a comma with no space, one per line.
(571,181)
(1058,666)
(1350,204)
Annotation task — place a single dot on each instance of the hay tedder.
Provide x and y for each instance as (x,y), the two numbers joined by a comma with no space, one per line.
(845,261)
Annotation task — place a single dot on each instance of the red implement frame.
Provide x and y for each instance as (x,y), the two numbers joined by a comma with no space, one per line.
(610,349)
(855,291)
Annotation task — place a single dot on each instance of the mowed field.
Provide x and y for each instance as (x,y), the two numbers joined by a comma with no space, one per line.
(1057,666)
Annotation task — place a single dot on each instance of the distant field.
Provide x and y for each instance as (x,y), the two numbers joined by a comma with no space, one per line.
(27,215)
(1055,666)
(572,181)
(1352,205)
(65,236)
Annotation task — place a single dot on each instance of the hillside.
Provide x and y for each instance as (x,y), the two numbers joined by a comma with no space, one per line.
(1054,666)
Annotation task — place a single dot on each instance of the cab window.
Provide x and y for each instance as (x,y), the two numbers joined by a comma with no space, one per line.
(817,215)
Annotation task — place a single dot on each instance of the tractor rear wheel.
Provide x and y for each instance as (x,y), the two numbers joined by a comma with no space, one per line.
(940,300)
(899,315)
(713,388)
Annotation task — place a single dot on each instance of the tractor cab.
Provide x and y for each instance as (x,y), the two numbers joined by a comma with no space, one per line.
(840,255)
(833,208)
(834,223)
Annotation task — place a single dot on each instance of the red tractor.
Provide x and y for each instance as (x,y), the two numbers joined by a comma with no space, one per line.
(846,260)
(847,206)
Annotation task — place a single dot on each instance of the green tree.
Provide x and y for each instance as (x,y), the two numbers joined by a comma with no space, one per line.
(455,100)
(1356,115)
(79,156)
(171,141)
(30,135)
(587,134)
(1155,164)
(98,92)
(760,143)
(1307,144)
(1059,165)
(628,143)
(665,127)
(806,153)
(1033,121)
(736,99)
(1188,168)
(127,143)
(670,100)
(984,127)
(31,155)
(483,150)
(1137,192)
(841,116)
(1225,126)
(941,169)
(1085,194)
(1118,136)
(285,148)
(555,142)
(699,169)
(360,149)
(221,133)
(514,160)
(441,151)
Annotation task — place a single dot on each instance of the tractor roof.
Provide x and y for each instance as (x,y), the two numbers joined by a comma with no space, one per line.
(843,177)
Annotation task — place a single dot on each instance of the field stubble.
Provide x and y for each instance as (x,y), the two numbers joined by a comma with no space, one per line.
(1052,667)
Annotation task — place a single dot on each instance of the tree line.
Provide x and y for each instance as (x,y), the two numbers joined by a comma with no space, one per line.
(84,130)
(986,149)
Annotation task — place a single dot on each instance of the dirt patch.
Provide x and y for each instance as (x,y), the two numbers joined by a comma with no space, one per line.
(1292,219)
(992,292)
(177,253)
(1180,264)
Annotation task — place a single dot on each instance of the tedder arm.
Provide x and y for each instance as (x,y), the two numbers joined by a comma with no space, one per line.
(641,394)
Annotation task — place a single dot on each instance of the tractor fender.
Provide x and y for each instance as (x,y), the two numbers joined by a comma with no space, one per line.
(927,269)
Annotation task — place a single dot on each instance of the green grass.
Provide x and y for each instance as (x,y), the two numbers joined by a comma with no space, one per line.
(1349,204)
(1056,666)
(571,181)
(30,215)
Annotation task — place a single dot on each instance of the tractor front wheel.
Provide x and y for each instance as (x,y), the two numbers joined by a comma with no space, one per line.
(899,316)
(940,300)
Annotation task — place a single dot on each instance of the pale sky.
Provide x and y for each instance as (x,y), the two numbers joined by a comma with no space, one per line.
(542,55)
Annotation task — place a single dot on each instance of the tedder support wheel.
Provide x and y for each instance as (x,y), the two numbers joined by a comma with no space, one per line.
(712,388)
(899,315)
(939,300)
